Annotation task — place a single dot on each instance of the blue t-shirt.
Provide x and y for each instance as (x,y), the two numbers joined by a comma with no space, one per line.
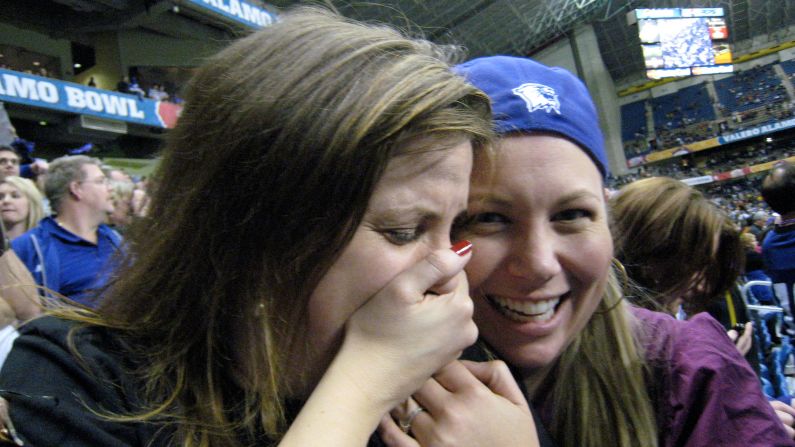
(66,263)
(778,250)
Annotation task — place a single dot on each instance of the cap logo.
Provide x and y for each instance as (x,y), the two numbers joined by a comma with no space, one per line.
(538,96)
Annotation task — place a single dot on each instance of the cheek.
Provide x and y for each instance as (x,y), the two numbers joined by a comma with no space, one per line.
(594,260)
(487,255)
(351,281)
(591,270)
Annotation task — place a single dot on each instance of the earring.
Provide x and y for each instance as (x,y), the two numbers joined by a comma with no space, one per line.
(619,267)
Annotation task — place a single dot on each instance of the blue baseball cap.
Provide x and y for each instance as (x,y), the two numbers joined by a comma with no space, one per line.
(529,96)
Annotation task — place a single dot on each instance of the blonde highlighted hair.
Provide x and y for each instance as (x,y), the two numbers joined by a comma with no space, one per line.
(35,199)
(264,180)
(598,390)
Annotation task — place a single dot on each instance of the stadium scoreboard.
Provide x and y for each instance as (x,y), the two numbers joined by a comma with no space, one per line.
(683,41)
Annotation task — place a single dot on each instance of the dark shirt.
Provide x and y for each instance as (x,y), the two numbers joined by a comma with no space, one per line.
(50,391)
(66,263)
(778,250)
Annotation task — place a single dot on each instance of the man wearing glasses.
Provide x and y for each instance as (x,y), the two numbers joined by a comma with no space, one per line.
(70,252)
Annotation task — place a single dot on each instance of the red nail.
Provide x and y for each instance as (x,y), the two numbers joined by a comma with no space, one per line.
(461,248)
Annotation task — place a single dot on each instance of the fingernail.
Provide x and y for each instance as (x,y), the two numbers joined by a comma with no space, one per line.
(461,248)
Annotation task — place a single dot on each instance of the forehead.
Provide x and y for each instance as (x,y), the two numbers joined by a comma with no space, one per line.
(5,153)
(448,159)
(542,157)
(91,169)
(5,187)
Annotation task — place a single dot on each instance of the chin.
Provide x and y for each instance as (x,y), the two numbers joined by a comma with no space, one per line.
(531,355)
(529,345)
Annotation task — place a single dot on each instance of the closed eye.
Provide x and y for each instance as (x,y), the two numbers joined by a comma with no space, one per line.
(402,236)
(571,215)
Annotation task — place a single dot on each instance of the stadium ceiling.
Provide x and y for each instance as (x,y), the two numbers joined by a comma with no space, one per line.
(523,27)
(483,27)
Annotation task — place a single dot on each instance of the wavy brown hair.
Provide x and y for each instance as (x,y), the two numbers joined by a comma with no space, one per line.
(264,180)
(665,232)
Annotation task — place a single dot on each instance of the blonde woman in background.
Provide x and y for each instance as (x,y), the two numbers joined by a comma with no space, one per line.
(20,205)
(121,193)
(21,209)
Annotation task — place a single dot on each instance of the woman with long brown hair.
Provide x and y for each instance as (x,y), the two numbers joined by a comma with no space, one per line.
(293,279)
(679,247)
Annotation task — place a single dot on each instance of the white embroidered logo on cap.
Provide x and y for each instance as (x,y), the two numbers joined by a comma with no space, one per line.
(538,96)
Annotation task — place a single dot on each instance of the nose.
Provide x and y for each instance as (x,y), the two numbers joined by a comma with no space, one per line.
(535,257)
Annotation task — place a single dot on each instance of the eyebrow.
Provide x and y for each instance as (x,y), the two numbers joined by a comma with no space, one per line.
(413,211)
(501,201)
(396,214)
(579,194)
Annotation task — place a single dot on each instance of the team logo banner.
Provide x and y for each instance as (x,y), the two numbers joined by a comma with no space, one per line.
(69,97)
(238,10)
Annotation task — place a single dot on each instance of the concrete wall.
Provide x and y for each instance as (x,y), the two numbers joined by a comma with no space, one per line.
(579,53)
(141,48)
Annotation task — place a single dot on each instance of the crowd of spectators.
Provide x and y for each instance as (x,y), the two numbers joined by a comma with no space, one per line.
(710,162)
(746,89)
(753,97)
(38,71)
(154,90)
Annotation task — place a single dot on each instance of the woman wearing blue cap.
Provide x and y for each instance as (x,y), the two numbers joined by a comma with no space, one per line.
(548,300)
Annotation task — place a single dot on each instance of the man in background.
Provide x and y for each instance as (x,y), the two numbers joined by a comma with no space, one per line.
(778,248)
(9,162)
(759,223)
(70,252)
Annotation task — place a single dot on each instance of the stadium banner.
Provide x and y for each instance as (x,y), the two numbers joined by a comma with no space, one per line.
(757,131)
(769,165)
(38,91)
(710,143)
(735,173)
(239,11)
(698,180)
(682,150)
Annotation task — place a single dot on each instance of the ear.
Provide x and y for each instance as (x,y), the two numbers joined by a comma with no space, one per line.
(75,190)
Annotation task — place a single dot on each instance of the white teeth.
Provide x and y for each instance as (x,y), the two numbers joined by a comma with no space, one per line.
(524,311)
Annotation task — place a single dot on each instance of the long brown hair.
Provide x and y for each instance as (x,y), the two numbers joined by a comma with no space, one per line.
(664,233)
(265,178)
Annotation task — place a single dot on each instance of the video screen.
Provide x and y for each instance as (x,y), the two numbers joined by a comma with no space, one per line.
(684,41)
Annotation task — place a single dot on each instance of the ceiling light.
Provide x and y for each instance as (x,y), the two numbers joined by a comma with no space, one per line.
(78,65)
(42,123)
(36,63)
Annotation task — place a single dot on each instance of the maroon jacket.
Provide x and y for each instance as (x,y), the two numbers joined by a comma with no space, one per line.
(704,391)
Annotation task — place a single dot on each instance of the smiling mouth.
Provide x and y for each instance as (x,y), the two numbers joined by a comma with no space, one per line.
(524,311)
